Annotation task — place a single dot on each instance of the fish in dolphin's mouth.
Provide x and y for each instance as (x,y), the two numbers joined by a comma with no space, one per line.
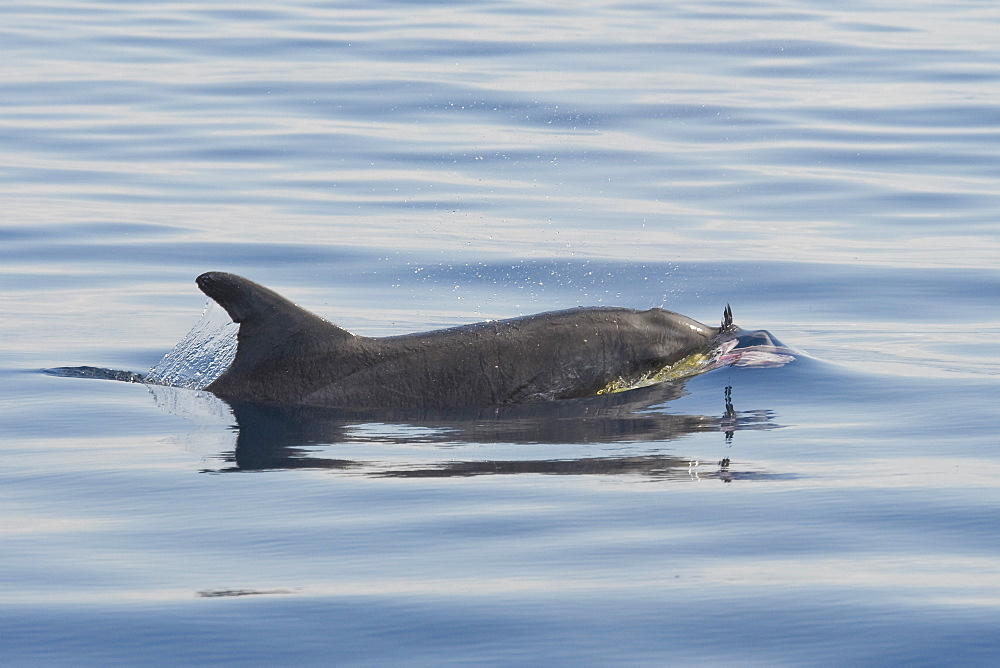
(755,349)
(739,348)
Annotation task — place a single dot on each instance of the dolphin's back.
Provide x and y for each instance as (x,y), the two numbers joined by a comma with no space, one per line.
(290,356)
(549,356)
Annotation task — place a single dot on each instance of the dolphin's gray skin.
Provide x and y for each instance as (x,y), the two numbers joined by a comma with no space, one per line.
(286,355)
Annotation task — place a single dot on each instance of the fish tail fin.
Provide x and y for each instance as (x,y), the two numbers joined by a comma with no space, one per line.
(727,320)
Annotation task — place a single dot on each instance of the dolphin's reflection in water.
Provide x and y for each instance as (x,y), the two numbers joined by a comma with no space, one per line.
(653,466)
(272,437)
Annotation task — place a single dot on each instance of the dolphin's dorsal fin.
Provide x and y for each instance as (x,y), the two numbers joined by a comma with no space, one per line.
(264,316)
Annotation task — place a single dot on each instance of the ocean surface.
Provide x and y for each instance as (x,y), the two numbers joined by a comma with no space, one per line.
(831,171)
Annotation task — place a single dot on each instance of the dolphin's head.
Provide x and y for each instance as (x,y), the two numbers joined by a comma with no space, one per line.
(725,345)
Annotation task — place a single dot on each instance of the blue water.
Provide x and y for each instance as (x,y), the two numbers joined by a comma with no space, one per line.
(830,172)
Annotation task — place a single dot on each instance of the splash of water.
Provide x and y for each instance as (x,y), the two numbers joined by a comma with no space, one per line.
(202,355)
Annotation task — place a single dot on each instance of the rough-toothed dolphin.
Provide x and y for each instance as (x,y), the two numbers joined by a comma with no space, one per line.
(287,355)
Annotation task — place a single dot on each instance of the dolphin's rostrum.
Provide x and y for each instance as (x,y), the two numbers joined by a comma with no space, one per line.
(287,355)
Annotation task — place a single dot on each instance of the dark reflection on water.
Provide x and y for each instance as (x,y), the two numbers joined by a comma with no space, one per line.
(654,466)
(273,437)
(232,593)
